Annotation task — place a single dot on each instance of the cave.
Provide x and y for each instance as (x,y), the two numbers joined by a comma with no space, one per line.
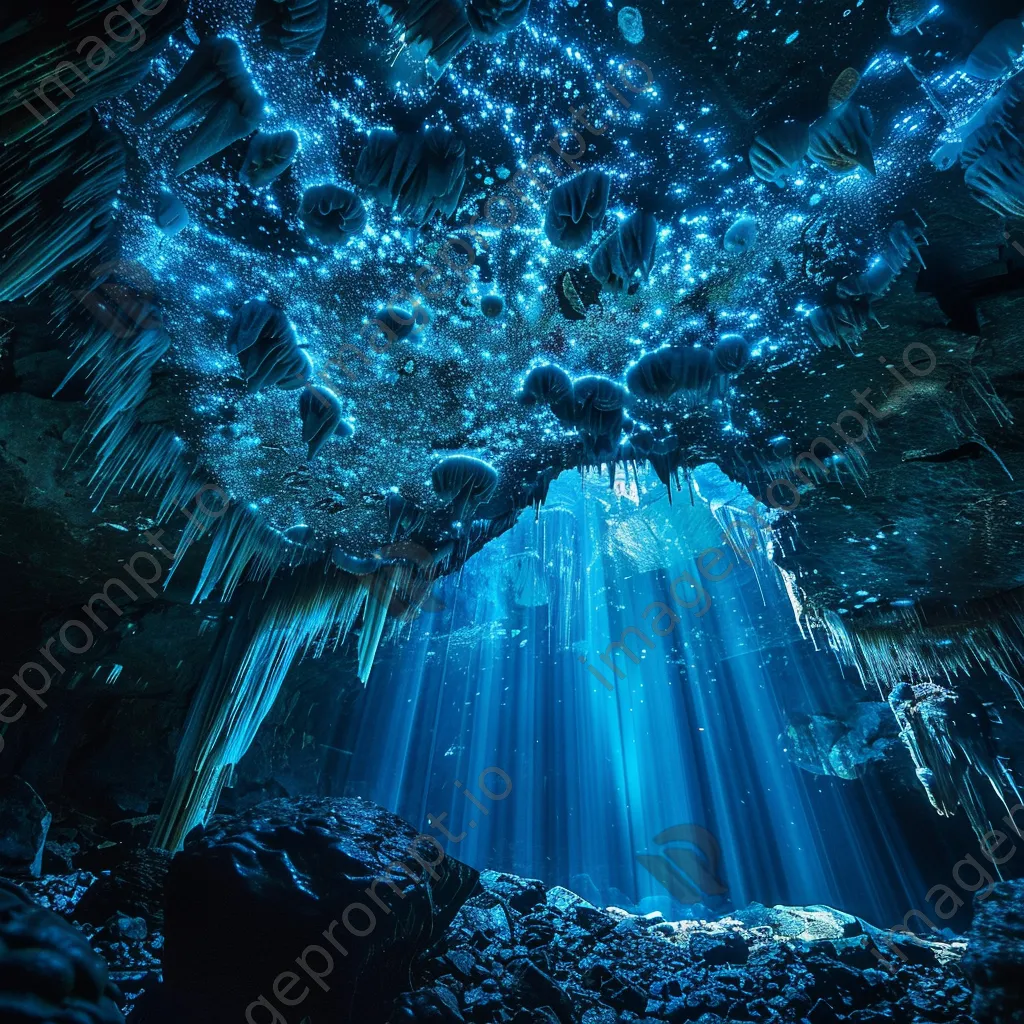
(509,512)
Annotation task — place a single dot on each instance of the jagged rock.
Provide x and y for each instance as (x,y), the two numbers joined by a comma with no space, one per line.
(24,822)
(615,990)
(520,894)
(436,1005)
(59,858)
(490,920)
(48,973)
(724,949)
(133,929)
(994,962)
(271,896)
(535,990)
(132,889)
(840,744)
(611,967)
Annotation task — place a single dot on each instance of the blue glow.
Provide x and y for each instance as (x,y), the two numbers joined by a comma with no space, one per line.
(695,732)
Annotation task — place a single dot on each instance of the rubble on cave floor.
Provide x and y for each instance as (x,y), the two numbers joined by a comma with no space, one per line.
(498,949)
(518,952)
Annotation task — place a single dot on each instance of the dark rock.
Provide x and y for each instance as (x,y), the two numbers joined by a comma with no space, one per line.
(537,932)
(693,1007)
(822,1013)
(134,888)
(646,968)
(24,822)
(462,962)
(857,951)
(670,989)
(249,892)
(522,894)
(130,929)
(59,858)
(871,1015)
(994,962)
(597,922)
(482,1005)
(534,989)
(48,973)
(436,1005)
(726,949)
(542,1015)
(615,990)
(490,920)
(272,894)
(832,976)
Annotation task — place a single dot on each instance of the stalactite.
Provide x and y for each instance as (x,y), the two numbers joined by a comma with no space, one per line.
(118,355)
(54,36)
(62,170)
(989,635)
(59,212)
(267,627)
(950,742)
(282,598)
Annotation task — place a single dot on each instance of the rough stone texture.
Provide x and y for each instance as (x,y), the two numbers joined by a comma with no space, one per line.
(133,889)
(107,738)
(994,963)
(517,953)
(842,745)
(938,518)
(24,822)
(48,973)
(249,894)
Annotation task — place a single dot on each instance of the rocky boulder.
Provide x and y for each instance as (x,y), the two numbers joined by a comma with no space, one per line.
(307,908)
(994,962)
(48,973)
(24,822)
(516,955)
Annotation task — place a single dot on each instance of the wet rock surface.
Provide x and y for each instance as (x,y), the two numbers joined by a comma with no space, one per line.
(48,973)
(24,822)
(252,894)
(995,958)
(305,879)
(562,959)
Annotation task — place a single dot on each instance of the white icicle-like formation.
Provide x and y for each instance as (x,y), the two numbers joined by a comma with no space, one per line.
(283,597)
(950,741)
(265,630)
(906,646)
